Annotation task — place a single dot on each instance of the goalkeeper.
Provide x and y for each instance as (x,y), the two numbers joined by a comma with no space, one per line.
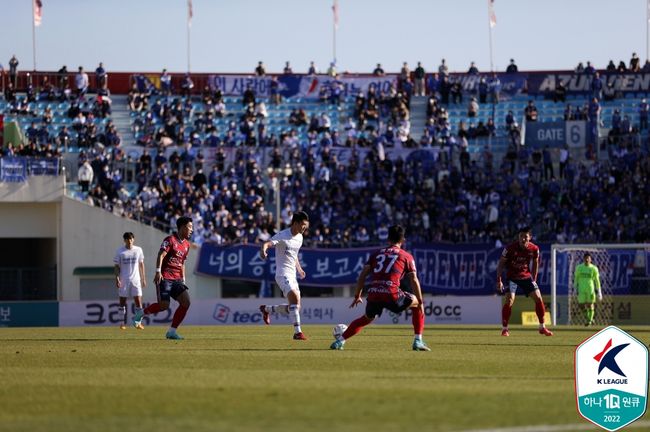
(586,280)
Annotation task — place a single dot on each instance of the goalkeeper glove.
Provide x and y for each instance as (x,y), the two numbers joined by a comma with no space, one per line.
(600,296)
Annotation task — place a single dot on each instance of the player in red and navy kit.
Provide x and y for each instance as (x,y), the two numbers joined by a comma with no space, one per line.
(516,259)
(386,268)
(170,276)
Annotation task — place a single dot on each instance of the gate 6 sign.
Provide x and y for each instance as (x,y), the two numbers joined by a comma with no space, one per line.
(611,373)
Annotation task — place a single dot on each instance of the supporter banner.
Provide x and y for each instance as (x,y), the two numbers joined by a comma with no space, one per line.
(16,169)
(298,86)
(511,85)
(438,310)
(332,267)
(556,134)
(13,169)
(540,83)
(462,270)
(29,314)
(43,166)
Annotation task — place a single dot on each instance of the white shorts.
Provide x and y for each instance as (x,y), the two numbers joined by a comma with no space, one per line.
(287,284)
(130,288)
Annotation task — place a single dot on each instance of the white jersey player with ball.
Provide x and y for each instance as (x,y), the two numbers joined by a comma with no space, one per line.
(129,275)
(287,244)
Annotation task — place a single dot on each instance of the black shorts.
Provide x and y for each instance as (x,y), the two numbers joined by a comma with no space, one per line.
(527,285)
(403,302)
(170,288)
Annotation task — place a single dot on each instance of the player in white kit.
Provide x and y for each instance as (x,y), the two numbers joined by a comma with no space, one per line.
(129,275)
(287,243)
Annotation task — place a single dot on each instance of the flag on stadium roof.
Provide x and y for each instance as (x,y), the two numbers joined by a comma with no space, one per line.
(335,11)
(38,12)
(493,16)
(189,13)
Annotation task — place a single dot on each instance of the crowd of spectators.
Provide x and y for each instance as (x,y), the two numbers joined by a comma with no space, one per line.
(438,196)
(60,115)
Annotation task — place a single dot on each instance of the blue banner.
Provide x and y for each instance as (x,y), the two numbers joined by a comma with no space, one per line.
(307,86)
(43,166)
(442,269)
(13,169)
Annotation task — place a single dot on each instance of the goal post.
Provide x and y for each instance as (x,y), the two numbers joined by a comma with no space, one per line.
(618,265)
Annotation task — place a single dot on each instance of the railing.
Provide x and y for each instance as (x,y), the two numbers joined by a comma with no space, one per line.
(27,283)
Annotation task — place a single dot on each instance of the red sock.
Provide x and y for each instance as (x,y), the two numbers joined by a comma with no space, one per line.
(540,310)
(356,326)
(505,314)
(152,309)
(418,321)
(179,315)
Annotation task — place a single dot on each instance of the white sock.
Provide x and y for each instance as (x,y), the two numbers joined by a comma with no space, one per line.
(418,337)
(122,311)
(281,309)
(541,326)
(294,312)
(171,330)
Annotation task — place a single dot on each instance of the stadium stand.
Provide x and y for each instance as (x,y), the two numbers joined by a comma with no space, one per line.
(354,161)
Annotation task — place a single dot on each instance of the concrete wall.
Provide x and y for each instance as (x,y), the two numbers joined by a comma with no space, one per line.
(86,236)
(36,189)
(90,236)
(29,220)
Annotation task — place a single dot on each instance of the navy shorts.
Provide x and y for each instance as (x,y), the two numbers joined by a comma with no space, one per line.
(170,289)
(527,285)
(403,302)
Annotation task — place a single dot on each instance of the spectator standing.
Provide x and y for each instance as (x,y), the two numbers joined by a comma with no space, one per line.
(597,86)
(419,75)
(495,88)
(635,64)
(13,70)
(443,70)
(313,70)
(187,85)
(85,176)
(512,67)
(379,71)
(531,111)
(473,70)
(260,70)
(166,82)
(100,76)
(81,82)
(287,69)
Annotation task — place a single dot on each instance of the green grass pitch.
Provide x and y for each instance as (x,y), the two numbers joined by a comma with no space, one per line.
(259,379)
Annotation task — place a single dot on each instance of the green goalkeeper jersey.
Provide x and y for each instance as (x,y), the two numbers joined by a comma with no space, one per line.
(586,278)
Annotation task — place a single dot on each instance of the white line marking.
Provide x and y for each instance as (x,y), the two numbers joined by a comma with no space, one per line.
(558,428)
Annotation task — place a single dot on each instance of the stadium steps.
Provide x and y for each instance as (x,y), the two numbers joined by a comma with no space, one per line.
(122,119)
(418,116)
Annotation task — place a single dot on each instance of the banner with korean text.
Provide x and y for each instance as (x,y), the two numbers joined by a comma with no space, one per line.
(443,269)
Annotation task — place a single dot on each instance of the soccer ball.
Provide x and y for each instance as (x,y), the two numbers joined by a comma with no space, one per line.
(338,330)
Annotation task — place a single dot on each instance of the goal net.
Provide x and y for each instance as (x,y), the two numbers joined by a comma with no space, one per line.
(623,270)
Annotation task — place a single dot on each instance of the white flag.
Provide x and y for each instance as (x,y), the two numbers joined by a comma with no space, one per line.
(189,13)
(335,11)
(493,16)
(38,12)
